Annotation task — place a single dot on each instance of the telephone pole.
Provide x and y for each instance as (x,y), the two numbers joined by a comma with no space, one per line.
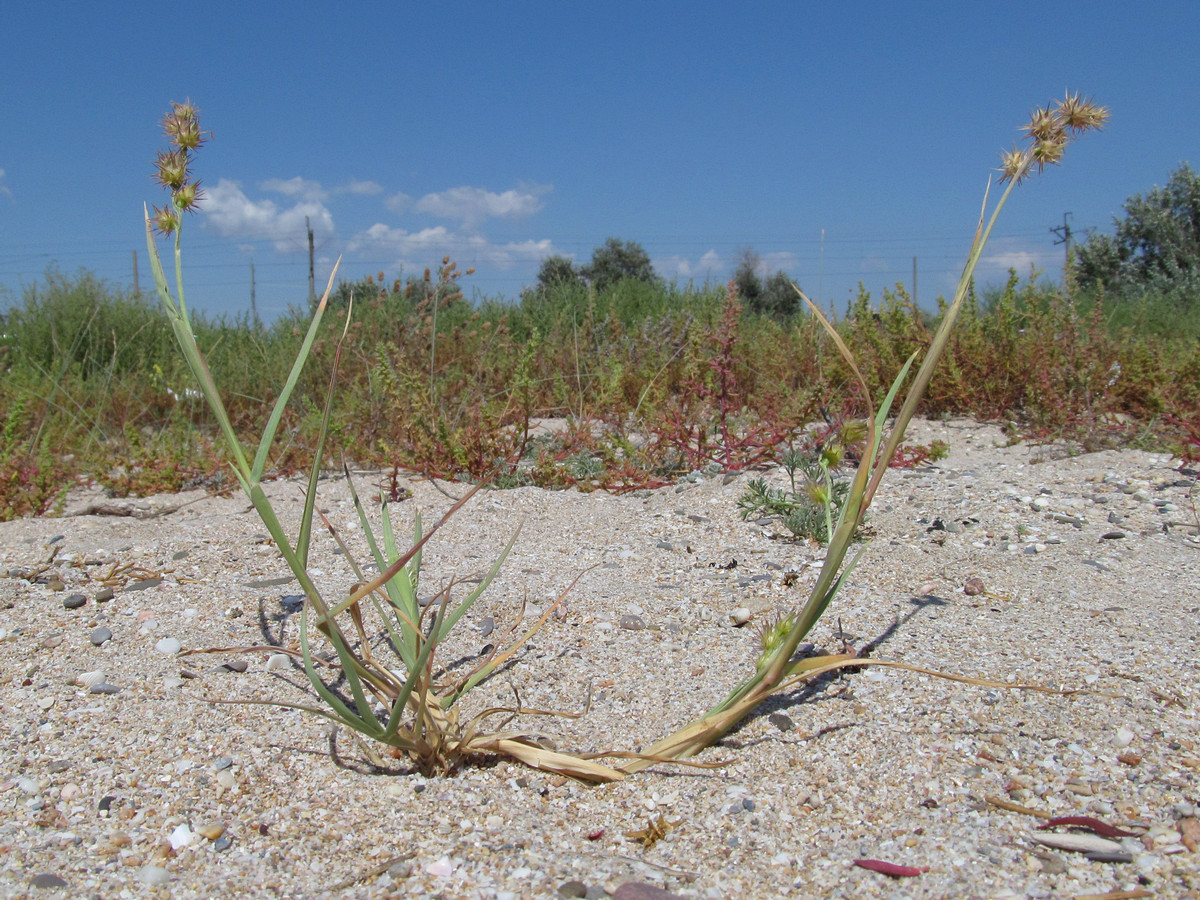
(137,285)
(1064,237)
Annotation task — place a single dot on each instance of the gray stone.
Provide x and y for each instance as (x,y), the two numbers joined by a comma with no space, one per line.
(74,601)
(632,623)
(47,880)
(104,595)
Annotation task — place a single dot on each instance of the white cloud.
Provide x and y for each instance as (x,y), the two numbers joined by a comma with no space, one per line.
(362,188)
(298,187)
(4,191)
(229,212)
(414,250)
(471,205)
(398,203)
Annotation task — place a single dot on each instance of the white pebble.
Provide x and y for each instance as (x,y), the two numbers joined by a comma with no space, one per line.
(740,616)
(169,646)
(153,875)
(1124,736)
(278,662)
(441,868)
(181,837)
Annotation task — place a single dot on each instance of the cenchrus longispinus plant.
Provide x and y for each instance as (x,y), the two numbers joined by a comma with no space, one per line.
(1049,131)
(389,689)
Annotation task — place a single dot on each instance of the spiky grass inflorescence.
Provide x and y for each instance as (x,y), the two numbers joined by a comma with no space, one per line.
(1050,129)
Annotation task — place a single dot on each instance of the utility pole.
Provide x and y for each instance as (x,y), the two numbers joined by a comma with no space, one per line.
(1064,237)
(137,285)
(914,282)
(253,308)
(312,289)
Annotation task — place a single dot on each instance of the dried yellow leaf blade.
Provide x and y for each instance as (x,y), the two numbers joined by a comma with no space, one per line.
(550,760)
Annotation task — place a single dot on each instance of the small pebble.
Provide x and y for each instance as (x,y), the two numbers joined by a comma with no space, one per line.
(633,890)
(780,721)
(235,665)
(104,595)
(740,616)
(973,586)
(224,842)
(101,636)
(278,662)
(487,626)
(210,830)
(632,623)
(222,762)
(572,889)
(153,875)
(168,646)
(74,601)
(104,689)
(47,880)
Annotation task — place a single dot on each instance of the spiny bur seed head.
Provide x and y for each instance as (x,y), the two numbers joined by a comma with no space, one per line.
(188,196)
(1080,115)
(772,634)
(165,221)
(172,168)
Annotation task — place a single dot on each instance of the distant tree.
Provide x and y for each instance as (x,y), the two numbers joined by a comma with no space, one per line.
(1155,247)
(746,278)
(617,260)
(558,270)
(775,297)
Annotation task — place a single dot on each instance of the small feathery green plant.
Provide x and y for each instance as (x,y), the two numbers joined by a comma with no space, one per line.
(778,667)
(410,708)
(812,505)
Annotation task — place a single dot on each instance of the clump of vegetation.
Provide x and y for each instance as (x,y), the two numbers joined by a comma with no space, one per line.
(809,507)
(390,689)
(778,668)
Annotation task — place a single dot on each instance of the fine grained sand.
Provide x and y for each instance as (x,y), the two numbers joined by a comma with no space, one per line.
(881,764)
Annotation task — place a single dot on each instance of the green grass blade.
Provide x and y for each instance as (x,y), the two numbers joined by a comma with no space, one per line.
(268,436)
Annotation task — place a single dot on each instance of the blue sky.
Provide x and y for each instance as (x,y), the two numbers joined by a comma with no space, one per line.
(500,133)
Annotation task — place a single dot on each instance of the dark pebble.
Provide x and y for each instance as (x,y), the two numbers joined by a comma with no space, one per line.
(292,602)
(487,626)
(104,595)
(661,545)
(753,579)
(1112,536)
(106,803)
(74,601)
(224,842)
(974,586)
(235,665)
(104,689)
(47,880)
(748,805)
(179,554)
(143,584)
(634,890)
(58,765)
(632,623)
(1113,857)
(572,889)
(101,636)
(780,721)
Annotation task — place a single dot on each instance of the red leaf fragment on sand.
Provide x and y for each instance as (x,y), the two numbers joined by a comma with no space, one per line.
(595,835)
(1093,825)
(887,868)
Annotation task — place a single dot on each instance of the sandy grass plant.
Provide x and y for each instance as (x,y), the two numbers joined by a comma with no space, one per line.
(401,698)
(778,668)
